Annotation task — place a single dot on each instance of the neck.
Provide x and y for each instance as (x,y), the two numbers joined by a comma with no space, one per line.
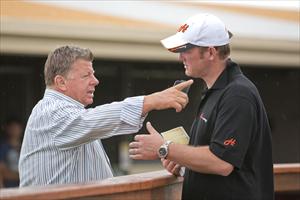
(54,87)
(215,71)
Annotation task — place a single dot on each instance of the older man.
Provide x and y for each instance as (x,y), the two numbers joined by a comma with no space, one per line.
(62,141)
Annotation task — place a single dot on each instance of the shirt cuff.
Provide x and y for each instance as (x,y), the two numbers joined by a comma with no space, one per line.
(132,111)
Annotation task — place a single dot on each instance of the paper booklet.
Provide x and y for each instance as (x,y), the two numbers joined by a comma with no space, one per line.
(177,135)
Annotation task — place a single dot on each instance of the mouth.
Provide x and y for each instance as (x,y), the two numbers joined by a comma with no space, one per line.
(185,65)
(91,93)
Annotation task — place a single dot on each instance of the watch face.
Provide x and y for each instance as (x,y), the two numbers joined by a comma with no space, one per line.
(162,152)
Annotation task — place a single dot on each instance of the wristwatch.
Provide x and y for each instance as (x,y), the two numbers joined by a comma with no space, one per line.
(164,149)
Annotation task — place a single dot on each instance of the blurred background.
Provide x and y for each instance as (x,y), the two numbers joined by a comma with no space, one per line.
(129,59)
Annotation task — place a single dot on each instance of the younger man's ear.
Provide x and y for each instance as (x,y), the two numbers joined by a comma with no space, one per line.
(60,82)
(212,52)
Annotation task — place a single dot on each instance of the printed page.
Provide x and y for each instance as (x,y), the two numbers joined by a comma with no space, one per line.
(177,135)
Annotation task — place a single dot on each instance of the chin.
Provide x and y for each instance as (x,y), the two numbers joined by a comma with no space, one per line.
(187,73)
(190,75)
(89,102)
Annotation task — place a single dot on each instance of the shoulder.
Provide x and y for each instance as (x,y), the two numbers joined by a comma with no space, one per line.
(240,92)
(54,109)
(241,87)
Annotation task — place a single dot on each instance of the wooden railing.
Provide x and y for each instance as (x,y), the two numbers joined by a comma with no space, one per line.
(287,178)
(151,185)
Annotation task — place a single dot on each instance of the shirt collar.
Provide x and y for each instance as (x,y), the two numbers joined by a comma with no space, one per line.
(50,93)
(231,70)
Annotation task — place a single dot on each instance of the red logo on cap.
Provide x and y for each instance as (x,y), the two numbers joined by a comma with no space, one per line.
(183,28)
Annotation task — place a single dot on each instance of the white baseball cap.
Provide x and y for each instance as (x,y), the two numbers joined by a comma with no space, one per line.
(205,30)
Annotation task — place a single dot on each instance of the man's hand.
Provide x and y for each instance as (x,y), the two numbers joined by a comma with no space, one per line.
(172,97)
(171,166)
(145,147)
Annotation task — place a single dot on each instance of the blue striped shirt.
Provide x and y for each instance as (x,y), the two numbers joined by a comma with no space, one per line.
(62,141)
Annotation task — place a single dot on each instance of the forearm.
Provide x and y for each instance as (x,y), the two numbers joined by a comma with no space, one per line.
(148,104)
(100,122)
(199,159)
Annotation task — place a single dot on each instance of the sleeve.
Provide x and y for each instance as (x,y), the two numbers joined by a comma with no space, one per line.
(235,126)
(103,121)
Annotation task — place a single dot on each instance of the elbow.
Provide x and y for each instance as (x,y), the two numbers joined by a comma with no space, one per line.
(225,169)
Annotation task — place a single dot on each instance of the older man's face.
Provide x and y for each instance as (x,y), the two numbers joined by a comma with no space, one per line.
(81,82)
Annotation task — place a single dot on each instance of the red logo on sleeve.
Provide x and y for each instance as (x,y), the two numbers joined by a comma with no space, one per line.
(231,142)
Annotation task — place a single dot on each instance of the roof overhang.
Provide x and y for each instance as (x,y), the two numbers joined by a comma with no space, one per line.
(126,40)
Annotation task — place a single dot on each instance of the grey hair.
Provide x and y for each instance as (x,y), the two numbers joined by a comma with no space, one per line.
(59,61)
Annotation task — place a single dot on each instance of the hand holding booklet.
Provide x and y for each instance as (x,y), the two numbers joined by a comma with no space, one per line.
(177,135)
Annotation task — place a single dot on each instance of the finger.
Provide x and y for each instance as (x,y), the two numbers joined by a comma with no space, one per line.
(184,84)
(136,157)
(183,100)
(134,144)
(178,107)
(139,137)
(166,163)
(176,169)
(171,166)
(150,128)
(163,161)
(133,151)
(180,103)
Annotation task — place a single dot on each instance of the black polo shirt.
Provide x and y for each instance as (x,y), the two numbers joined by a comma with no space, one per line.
(232,121)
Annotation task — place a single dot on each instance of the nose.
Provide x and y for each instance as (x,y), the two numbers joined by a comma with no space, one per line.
(181,56)
(95,80)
